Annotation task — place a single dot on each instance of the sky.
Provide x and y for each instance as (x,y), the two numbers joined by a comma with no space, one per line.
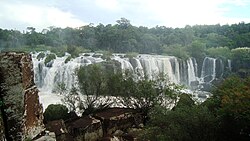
(41,14)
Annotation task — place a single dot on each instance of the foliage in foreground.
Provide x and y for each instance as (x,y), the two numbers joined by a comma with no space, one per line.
(225,116)
(102,85)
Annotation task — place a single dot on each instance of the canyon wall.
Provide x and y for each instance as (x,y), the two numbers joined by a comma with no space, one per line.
(21,111)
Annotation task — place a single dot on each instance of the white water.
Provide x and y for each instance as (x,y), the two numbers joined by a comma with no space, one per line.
(208,68)
(180,72)
(191,71)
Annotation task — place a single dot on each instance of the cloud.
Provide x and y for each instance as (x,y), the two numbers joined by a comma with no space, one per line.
(170,13)
(111,5)
(178,13)
(36,16)
(238,2)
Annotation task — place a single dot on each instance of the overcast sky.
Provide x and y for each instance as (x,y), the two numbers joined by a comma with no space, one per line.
(19,14)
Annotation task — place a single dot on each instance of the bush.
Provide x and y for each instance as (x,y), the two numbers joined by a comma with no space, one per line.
(49,57)
(73,50)
(55,112)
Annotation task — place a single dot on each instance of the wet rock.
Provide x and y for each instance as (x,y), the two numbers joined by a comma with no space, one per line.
(208,78)
(206,87)
(194,84)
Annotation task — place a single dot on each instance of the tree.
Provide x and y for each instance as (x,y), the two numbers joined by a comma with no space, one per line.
(240,61)
(186,121)
(177,51)
(92,82)
(123,23)
(232,103)
(144,94)
(72,100)
(219,52)
(197,49)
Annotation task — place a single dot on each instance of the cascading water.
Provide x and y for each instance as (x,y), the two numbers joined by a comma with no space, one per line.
(149,65)
(191,71)
(48,77)
(185,72)
(208,72)
(178,71)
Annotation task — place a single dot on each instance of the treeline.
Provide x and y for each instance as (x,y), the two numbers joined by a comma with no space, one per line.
(124,37)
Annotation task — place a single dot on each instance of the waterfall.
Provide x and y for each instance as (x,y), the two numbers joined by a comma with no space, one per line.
(47,78)
(191,71)
(229,65)
(125,64)
(177,70)
(208,72)
(149,65)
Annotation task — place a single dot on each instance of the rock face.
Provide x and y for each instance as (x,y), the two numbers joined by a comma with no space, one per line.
(106,124)
(21,110)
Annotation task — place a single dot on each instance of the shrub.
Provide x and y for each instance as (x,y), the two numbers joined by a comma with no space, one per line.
(49,57)
(55,112)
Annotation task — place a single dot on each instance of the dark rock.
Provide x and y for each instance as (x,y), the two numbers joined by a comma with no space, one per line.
(49,64)
(97,55)
(59,128)
(118,119)
(204,96)
(86,127)
(133,62)
(194,84)
(86,54)
(206,87)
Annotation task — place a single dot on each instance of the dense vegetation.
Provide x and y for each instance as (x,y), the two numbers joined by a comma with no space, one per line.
(224,116)
(124,37)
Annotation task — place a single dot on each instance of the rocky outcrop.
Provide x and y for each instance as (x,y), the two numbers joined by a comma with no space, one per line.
(21,109)
(85,128)
(114,119)
(113,123)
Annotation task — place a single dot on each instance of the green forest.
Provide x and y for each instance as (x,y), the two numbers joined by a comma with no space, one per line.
(124,37)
